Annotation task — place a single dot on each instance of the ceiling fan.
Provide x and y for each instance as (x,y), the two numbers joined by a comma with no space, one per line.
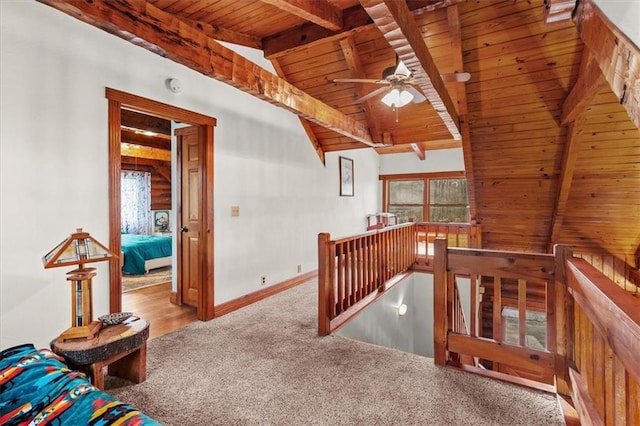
(399,83)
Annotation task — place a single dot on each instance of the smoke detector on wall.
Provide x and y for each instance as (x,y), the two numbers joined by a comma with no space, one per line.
(174,85)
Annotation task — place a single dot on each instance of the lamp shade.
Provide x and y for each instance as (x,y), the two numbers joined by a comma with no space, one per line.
(77,249)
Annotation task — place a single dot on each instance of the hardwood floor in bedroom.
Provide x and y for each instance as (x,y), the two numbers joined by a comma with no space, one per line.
(152,303)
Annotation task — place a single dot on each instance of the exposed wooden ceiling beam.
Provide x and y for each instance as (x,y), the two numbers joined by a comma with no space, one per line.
(424,145)
(558,10)
(589,83)
(131,136)
(319,12)
(566,178)
(222,34)
(354,64)
(147,26)
(145,122)
(618,57)
(130,163)
(162,168)
(305,36)
(355,19)
(453,19)
(306,126)
(419,151)
(398,26)
(147,152)
(431,6)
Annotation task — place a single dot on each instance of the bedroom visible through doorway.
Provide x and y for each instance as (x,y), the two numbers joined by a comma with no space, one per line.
(146,226)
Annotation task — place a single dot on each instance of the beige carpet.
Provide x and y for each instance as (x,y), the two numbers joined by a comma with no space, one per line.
(265,365)
(154,277)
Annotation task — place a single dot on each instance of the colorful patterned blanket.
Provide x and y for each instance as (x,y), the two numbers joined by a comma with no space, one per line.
(37,387)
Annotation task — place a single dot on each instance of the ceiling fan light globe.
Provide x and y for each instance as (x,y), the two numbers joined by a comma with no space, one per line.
(391,98)
(405,98)
(397,98)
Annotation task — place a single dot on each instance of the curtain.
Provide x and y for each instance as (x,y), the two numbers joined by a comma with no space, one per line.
(135,202)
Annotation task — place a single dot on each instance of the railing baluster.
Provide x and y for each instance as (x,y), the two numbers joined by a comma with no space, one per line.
(474,306)
(340,282)
(440,302)
(367,265)
(497,309)
(347,275)
(326,268)
(522,312)
(354,296)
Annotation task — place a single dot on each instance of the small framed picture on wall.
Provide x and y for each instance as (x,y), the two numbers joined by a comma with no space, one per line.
(346,177)
(161,221)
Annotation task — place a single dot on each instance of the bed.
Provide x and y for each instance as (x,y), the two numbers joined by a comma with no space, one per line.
(37,387)
(145,252)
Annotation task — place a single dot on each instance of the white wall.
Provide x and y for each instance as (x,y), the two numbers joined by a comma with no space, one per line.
(438,160)
(54,177)
(381,325)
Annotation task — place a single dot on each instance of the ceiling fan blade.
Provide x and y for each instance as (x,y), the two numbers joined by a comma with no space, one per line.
(360,80)
(418,97)
(371,94)
(456,77)
(401,69)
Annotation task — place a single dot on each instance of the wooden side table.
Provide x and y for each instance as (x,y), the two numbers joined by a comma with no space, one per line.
(121,347)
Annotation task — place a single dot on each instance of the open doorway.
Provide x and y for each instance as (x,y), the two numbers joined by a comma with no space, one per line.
(147,216)
(129,114)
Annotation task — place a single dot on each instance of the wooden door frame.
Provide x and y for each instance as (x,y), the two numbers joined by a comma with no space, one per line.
(116,101)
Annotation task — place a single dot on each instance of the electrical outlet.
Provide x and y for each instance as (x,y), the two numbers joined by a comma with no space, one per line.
(263,280)
(299,268)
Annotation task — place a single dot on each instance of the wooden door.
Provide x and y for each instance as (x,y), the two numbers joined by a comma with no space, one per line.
(189,215)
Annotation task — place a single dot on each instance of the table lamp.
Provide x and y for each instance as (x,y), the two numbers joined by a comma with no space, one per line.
(78,249)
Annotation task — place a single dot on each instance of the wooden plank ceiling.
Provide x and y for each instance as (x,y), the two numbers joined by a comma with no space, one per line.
(548,120)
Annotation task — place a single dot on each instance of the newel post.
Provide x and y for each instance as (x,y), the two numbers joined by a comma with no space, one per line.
(326,272)
(440,321)
(564,319)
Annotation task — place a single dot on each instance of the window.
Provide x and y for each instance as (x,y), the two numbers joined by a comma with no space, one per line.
(406,200)
(135,193)
(426,198)
(448,200)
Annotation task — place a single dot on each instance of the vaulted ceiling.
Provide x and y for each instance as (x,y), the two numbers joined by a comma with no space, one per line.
(548,120)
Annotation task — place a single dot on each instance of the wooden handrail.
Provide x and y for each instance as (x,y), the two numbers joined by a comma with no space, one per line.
(605,382)
(456,234)
(529,274)
(351,269)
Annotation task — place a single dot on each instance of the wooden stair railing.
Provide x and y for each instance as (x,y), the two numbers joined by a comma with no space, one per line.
(353,270)
(592,332)
(605,347)
(506,355)
(456,234)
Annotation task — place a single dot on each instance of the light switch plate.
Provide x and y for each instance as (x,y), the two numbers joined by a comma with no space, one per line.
(235,211)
